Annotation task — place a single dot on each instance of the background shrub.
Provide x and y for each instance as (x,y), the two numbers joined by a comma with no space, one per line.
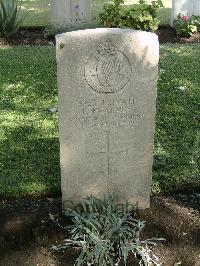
(141,16)
(186,25)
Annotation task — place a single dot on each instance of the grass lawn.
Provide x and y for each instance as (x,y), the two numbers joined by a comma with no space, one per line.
(29,145)
(29,156)
(39,11)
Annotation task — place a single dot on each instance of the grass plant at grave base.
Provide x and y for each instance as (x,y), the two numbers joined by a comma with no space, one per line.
(106,234)
(29,144)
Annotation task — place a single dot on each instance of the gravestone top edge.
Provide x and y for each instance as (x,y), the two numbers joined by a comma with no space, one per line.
(87,32)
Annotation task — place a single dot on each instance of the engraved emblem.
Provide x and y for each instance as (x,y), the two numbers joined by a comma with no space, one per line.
(108,70)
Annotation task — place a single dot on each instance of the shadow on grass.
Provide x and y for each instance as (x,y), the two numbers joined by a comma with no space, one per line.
(29,145)
(31,164)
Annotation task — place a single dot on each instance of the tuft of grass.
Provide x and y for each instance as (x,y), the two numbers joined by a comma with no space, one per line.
(29,144)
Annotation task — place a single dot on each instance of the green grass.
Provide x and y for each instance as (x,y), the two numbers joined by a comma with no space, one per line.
(29,144)
(29,153)
(39,11)
(177,143)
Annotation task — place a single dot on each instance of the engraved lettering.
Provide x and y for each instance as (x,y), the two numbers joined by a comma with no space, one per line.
(100,112)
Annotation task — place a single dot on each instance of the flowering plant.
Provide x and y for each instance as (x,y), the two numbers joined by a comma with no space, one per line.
(186,25)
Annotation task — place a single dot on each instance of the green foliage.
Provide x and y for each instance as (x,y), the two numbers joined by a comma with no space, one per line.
(111,17)
(141,16)
(51,31)
(106,234)
(10,20)
(186,25)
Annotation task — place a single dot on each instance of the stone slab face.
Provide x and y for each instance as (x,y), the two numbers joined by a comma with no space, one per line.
(70,13)
(107,80)
(185,7)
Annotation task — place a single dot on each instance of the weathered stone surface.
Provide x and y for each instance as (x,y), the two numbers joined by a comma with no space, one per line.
(66,14)
(107,81)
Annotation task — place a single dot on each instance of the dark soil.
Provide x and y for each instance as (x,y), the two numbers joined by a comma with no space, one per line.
(168,35)
(38,36)
(30,36)
(27,233)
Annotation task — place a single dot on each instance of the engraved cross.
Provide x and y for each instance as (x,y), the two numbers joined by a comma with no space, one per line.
(108,151)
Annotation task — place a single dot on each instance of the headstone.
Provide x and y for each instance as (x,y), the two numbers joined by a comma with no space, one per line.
(107,81)
(66,14)
(196,7)
(185,7)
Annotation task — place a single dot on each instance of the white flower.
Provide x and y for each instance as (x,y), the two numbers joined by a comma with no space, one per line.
(181,88)
(162,71)
(53,109)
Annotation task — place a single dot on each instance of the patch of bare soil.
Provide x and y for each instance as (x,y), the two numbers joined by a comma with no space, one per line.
(29,36)
(37,36)
(168,35)
(27,233)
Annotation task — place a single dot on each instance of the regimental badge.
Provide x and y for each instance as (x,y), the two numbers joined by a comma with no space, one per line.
(108,70)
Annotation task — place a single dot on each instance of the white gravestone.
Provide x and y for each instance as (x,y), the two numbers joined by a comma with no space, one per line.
(107,80)
(70,13)
(185,7)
